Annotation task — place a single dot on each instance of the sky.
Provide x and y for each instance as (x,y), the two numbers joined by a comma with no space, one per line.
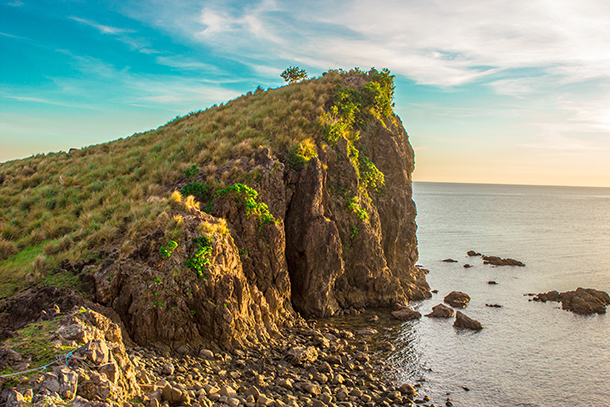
(490,91)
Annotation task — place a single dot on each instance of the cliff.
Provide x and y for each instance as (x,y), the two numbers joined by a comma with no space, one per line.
(221,226)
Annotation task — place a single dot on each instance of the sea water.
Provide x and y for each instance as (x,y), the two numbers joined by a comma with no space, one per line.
(529,353)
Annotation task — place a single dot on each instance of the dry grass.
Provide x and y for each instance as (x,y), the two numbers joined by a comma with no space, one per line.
(106,196)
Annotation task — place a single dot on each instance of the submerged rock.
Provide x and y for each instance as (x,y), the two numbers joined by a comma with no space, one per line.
(582,301)
(499,261)
(449,261)
(472,253)
(440,311)
(462,321)
(457,299)
(406,314)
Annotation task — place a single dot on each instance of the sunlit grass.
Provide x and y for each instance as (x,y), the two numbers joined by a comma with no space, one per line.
(62,205)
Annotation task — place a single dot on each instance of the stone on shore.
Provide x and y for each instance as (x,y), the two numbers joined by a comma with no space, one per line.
(440,311)
(457,299)
(301,354)
(462,321)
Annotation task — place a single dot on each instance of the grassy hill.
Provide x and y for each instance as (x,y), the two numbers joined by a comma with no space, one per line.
(95,204)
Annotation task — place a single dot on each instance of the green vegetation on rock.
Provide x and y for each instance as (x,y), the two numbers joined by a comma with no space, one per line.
(201,259)
(248,196)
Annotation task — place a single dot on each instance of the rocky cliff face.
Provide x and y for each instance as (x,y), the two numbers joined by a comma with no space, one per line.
(334,243)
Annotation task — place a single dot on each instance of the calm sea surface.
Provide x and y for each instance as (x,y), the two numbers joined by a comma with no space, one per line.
(529,354)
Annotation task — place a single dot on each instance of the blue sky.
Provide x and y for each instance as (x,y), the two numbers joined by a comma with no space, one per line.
(490,91)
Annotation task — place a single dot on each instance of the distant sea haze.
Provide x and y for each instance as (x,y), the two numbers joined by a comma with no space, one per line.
(529,353)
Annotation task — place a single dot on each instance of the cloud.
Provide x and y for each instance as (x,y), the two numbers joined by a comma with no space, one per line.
(104,29)
(186,64)
(48,102)
(439,43)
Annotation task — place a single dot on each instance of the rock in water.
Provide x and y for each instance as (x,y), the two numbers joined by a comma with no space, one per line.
(498,261)
(449,261)
(582,301)
(462,321)
(472,253)
(457,299)
(440,311)
(406,314)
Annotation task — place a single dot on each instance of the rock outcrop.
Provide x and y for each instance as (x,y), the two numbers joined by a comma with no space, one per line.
(499,261)
(584,301)
(463,321)
(457,299)
(440,311)
(330,243)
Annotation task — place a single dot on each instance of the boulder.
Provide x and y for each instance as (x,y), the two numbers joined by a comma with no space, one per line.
(462,321)
(406,314)
(457,299)
(498,261)
(440,311)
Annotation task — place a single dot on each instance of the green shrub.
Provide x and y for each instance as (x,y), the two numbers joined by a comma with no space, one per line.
(249,197)
(300,154)
(200,191)
(191,172)
(370,176)
(354,206)
(167,251)
(202,258)
(355,232)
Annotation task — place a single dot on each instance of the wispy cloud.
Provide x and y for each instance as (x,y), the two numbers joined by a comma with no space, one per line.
(186,64)
(104,29)
(48,102)
(435,43)
(121,34)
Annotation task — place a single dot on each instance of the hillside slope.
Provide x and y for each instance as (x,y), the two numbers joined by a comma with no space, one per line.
(219,225)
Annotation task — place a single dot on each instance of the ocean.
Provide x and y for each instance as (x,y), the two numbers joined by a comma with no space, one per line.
(529,353)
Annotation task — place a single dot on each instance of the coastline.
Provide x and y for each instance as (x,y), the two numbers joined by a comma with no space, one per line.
(313,363)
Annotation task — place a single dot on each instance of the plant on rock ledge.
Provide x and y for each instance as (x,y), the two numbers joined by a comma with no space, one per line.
(167,251)
(202,258)
(249,198)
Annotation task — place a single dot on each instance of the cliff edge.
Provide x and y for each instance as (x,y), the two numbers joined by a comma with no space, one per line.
(221,226)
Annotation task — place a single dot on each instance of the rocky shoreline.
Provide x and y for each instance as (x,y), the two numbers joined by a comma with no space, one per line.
(310,364)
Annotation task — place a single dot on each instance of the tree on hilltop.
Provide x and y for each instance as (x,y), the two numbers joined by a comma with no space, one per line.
(293,74)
